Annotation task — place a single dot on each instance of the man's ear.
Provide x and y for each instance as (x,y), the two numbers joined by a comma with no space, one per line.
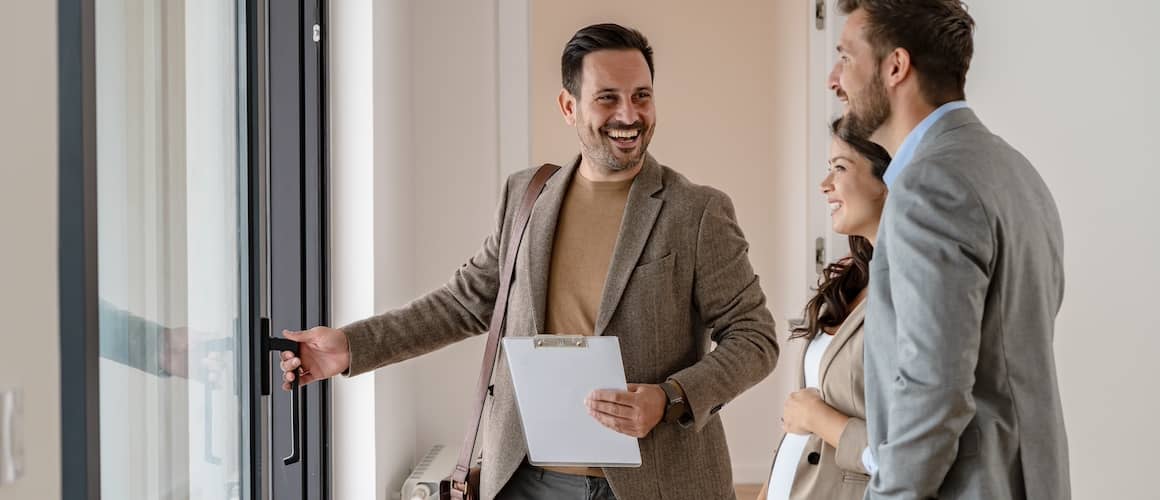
(567,106)
(898,67)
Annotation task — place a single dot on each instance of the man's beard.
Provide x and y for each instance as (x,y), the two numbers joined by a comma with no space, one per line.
(869,109)
(602,151)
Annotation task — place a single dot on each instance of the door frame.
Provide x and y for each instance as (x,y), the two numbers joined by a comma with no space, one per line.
(77,204)
(295,223)
(823,106)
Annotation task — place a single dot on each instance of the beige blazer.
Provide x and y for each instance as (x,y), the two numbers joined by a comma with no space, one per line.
(838,473)
(680,279)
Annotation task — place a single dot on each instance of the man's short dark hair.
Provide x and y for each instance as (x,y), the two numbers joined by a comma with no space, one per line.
(937,34)
(599,37)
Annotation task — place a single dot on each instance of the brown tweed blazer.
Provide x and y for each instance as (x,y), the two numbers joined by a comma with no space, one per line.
(680,279)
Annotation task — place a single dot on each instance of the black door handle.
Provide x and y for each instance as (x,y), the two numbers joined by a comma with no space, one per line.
(275,345)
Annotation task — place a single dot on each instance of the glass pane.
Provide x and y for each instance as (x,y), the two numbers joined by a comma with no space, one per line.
(169,190)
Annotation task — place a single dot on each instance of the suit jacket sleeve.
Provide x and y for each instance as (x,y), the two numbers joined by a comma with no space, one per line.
(730,301)
(131,340)
(459,309)
(851,443)
(938,248)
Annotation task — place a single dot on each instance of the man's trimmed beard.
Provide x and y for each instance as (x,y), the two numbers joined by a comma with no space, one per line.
(869,109)
(602,152)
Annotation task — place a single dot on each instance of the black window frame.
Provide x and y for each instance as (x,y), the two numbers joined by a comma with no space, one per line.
(77,257)
(298,230)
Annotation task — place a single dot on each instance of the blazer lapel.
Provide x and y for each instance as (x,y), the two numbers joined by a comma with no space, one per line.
(800,374)
(851,325)
(640,214)
(535,257)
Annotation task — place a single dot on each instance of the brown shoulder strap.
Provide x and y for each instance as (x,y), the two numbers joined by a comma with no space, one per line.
(495,331)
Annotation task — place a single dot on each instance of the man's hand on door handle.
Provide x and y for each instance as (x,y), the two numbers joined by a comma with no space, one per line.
(324,354)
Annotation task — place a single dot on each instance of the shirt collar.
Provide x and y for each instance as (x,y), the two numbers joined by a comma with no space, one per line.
(906,151)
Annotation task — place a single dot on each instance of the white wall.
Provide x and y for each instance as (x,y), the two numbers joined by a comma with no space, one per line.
(30,359)
(415,151)
(373,445)
(1072,84)
(731,112)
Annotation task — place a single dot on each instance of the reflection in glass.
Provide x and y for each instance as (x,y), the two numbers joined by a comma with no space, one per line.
(168,187)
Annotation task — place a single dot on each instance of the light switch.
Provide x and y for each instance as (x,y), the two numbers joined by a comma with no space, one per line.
(11,440)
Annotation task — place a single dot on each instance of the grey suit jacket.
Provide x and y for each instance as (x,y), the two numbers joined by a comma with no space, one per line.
(680,278)
(967,278)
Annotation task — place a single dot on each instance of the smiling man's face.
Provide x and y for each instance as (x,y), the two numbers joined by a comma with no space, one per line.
(614,114)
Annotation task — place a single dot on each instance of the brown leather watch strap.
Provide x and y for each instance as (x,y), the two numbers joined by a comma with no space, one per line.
(499,315)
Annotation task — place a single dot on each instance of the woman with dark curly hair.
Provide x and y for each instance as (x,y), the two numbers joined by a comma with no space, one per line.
(824,418)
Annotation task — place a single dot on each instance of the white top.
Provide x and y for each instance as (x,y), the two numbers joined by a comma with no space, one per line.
(790,453)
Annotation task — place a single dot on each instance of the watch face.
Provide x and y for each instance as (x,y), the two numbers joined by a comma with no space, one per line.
(675,407)
(674,412)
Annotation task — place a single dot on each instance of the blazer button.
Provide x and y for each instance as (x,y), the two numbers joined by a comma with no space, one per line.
(813,458)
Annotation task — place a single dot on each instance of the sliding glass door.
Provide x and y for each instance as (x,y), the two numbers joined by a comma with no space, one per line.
(192,218)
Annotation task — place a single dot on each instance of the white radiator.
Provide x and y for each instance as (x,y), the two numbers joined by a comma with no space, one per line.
(423,483)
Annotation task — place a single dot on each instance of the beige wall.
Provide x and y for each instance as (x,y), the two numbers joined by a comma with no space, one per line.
(730,93)
(456,154)
(30,359)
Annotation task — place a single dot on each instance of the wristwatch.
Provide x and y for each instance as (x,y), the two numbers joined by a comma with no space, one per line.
(676,408)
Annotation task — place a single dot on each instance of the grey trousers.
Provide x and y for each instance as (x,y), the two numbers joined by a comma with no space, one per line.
(533,483)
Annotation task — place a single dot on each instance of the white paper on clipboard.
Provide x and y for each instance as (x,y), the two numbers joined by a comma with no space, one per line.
(552,375)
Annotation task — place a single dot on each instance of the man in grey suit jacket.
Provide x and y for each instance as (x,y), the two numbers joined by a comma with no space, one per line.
(617,244)
(962,398)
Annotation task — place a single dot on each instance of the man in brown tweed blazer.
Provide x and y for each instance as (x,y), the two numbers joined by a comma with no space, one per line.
(617,244)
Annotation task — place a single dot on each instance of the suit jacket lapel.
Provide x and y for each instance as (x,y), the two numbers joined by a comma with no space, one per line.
(851,325)
(640,214)
(799,376)
(535,258)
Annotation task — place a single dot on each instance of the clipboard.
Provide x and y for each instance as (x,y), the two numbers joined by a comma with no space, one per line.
(552,375)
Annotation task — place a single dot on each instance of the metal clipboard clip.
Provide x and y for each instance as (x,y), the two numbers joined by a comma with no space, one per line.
(549,341)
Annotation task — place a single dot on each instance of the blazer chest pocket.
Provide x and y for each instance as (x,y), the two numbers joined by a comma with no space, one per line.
(652,279)
(663,265)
